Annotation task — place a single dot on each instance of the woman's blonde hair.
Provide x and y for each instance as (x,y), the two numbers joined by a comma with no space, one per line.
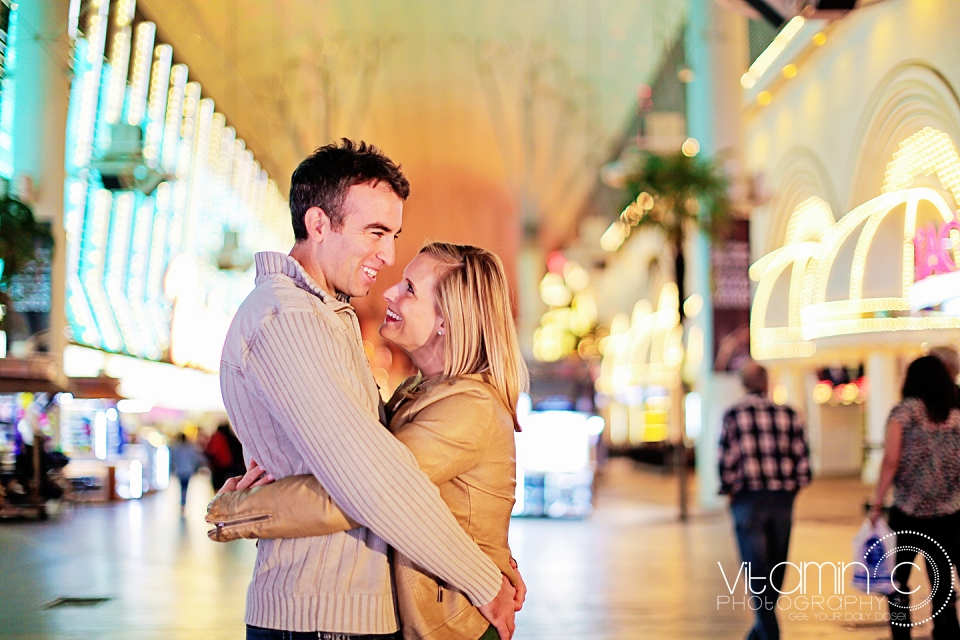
(474,301)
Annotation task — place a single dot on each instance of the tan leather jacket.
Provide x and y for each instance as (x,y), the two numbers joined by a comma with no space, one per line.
(462,436)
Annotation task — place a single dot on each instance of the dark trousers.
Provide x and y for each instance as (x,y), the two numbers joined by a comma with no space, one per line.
(763,520)
(259,633)
(184,483)
(939,540)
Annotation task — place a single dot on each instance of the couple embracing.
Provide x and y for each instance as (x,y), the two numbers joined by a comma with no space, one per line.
(383,521)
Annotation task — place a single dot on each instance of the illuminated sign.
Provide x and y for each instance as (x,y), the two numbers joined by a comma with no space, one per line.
(888,265)
(122,243)
(646,350)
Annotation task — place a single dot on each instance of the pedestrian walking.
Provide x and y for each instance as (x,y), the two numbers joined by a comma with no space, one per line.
(221,451)
(185,459)
(764,461)
(922,461)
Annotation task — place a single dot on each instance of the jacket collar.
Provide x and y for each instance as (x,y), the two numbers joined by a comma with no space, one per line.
(273,262)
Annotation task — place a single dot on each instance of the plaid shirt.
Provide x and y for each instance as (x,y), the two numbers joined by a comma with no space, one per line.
(762,446)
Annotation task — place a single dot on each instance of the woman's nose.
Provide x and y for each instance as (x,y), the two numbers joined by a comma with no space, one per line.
(390,294)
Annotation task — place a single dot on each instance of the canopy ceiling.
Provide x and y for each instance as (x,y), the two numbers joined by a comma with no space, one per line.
(499,111)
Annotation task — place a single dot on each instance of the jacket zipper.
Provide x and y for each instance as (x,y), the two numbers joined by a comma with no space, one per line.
(439,590)
(221,526)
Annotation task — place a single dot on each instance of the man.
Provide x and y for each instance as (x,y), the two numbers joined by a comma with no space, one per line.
(301,396)
(764,461)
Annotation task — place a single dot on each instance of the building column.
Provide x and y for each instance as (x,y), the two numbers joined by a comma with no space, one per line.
(716,52)
(883,376)
(42,88)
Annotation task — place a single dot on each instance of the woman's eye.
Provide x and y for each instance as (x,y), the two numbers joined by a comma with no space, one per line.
(410,287)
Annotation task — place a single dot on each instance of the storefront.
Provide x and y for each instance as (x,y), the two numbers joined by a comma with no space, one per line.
(854,125)
(159,209)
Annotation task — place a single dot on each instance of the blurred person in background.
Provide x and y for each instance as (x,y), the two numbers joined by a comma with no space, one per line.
(764,461)
(451,315)
(950,357)
(185,460)
(922,461)
(300,393)
(224,454)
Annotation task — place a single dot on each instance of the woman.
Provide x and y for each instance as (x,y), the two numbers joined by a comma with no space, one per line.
(451,315)
(922,461)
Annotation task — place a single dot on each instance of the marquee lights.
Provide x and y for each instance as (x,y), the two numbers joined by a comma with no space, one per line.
(649,352)
(814,242)
(120,245)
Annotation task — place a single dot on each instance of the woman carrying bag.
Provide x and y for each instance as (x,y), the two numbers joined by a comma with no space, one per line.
(922,462)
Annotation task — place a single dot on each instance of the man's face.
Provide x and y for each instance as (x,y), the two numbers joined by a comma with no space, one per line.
(352,257)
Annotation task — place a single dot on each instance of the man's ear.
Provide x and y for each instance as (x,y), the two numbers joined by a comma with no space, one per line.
(317,224)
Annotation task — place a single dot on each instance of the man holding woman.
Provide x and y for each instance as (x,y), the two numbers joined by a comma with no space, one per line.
(301,396)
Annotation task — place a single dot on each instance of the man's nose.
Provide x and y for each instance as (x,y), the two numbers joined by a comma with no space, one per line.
(388,250)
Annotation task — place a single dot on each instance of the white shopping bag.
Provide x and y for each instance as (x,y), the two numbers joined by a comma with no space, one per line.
(873,556)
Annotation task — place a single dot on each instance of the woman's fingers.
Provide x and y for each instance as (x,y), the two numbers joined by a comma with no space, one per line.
(254,477)
(521,595)
(230,485)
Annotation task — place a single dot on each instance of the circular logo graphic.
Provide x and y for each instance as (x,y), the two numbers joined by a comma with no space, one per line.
(885,565)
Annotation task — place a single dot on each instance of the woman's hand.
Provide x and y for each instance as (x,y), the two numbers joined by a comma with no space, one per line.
(875,512)
(521,595)
(255,476)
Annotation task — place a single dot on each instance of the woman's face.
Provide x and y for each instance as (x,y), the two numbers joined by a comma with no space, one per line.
(412,321)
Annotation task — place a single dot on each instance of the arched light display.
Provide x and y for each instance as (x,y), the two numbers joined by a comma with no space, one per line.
(140,261)
(892,264)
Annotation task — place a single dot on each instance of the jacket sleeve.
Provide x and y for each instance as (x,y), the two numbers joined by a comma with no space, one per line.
(303,377)
(291,507)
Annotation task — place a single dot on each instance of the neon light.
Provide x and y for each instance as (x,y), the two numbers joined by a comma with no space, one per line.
(146,32)
(813,245)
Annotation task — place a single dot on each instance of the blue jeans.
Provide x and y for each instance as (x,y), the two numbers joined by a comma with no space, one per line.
(763,520)
(259,633)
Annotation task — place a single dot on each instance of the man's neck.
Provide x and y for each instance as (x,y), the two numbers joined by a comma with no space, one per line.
(311,266)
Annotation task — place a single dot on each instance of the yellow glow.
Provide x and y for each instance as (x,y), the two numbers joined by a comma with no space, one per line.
(789,71)
(613,237)
(780,394)
(690,147)
(820,39)
(772,52)
(764,98)
(848,394)
(822,392)
(693,305)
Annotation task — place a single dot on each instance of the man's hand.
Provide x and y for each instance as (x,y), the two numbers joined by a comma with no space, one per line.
(500,611)
(255,476)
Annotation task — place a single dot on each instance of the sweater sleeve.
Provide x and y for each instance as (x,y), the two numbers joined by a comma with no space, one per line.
(303,378)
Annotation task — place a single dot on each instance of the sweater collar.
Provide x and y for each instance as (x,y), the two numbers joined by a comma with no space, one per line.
(273,262)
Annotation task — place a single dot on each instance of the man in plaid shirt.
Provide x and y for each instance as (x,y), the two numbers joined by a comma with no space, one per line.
(764,460)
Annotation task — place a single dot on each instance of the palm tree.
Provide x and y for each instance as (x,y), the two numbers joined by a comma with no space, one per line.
(676,193)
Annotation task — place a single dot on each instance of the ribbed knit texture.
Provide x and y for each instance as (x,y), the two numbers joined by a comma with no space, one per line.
(300,394)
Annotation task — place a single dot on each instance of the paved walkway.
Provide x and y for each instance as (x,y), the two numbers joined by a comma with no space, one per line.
(629,571)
